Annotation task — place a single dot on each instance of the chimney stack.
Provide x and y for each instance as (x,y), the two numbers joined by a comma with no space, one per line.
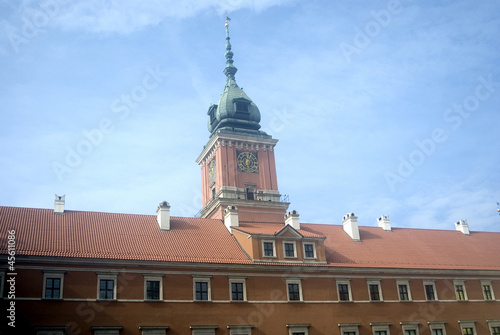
(59,204)
(350,222)
(292,219)
(163,215)
(463,227)
(231,217)
(384,222)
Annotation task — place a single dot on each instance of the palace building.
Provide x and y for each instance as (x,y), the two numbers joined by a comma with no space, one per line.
(248,265)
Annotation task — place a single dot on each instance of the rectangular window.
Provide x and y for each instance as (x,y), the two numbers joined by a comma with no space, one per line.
(343,292)
(437,332)
(410,332)
(349,333)
(309,250)
(289,250)
(468,331)
(495,330)
(106,289)
(459,290)
(237,291)
(293,292)
(429,292)
(374,292)
(403,292)
(488,294)
(380,332)
(201,289)
(268,249)
(153,289)
(52,288)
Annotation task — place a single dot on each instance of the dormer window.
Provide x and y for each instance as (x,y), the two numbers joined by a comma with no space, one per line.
(211,113)
(241,107)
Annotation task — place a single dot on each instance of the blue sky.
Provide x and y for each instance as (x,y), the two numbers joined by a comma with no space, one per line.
(380,107)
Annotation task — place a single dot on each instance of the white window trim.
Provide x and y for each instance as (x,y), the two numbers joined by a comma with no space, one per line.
(55,330)
(274,248)
(349,327)
(461,282)
(381,326)
(240,330)
(437,325)
(238,280)
(374,282)
(55,274)
(294,249)
(153,278)
(203,330)
(410,326)
(488,282)
(298,328)
(407,283)
(467,324)
(154,330)
(96,330)
(430,282)
(205,279)
(493,323)
(294,281)
(304,250)
(108,276)
(344,282)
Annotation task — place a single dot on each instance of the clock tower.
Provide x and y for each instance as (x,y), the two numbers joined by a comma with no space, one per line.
(237,164)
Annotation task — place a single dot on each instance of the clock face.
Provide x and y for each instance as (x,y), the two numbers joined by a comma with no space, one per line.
(212,171)
(248,162)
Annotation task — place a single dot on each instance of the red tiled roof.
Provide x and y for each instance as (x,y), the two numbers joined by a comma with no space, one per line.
(410,248)
(137,237)
(117,236)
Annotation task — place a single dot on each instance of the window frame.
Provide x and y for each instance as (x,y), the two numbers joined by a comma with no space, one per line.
(344,282)
(437,325)
(238,280)
(202,279)
(430,283)
(380,326)
(203,330)
(493,324)
(53,275)
(294,245)
(313,249)
(349,328)
(299,328)
(487,283)
(411,325)
(107,276)
(408,291)
(240,329)
(374,282)
(456,285)
(158,278)
(466,324)
(264,249)
(297,282)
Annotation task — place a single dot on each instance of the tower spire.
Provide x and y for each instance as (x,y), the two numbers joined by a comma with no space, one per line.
(230,69)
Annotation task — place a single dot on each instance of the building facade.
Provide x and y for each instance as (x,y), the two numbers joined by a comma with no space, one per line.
(248,265)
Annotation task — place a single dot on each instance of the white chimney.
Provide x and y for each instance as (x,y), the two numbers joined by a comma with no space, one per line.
(384,222)
(163,215)
(463,227)
(59,204)
(350,222)
(292,219)
(231,217)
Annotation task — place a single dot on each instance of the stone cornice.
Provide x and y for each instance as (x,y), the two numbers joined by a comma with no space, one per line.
(237,141)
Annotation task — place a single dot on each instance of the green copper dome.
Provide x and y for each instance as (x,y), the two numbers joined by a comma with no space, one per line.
(235,112)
